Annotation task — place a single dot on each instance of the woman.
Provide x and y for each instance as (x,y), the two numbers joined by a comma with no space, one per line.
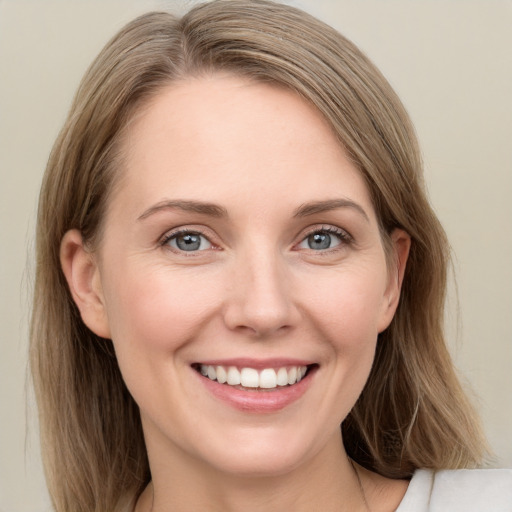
(236,256)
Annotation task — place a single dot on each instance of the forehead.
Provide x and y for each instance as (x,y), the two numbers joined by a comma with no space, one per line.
(225,137)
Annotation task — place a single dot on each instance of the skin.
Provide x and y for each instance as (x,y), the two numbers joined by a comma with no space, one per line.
(256,289)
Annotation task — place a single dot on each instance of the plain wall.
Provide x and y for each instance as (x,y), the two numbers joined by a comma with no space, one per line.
(450,61)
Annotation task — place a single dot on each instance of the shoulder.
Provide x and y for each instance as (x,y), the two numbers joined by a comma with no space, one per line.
(465,490)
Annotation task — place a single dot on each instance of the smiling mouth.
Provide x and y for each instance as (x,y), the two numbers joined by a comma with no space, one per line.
(251,379)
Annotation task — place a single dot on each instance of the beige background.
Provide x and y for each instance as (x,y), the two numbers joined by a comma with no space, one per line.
(451,63)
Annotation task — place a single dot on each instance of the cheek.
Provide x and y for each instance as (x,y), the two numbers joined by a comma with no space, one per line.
(348,304)
(153,314)
(157,310)
(344,307)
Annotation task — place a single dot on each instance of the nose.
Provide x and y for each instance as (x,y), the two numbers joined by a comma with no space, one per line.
(260,302)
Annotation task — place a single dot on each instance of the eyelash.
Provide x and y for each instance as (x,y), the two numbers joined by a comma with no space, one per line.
(344,237)
(184,231)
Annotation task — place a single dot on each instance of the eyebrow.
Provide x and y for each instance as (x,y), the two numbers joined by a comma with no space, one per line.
(210,209)
(312,208)
(214,210)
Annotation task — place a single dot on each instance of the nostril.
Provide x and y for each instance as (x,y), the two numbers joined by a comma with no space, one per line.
(260,304)
(262,330)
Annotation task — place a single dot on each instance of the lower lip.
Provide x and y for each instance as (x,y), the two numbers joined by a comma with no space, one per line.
(261,400)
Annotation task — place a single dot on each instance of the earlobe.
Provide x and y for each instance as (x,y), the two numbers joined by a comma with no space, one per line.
(82,274)
(400,245)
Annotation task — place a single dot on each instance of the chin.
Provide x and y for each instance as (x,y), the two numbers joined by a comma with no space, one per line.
(260,465)
(262,454)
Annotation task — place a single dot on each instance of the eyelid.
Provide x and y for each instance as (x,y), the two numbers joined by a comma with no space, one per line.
(181,230)
(345,237)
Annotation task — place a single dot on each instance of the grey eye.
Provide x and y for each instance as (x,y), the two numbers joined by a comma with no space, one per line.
(189,242)
(320,241)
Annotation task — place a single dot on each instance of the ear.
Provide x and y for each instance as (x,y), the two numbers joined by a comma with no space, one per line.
(83,276)
(400,245)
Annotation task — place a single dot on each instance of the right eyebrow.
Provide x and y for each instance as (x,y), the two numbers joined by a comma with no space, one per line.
(210,209)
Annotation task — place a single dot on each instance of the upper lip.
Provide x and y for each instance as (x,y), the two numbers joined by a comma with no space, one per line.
(257,364)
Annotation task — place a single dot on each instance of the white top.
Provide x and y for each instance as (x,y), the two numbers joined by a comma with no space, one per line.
(464,490)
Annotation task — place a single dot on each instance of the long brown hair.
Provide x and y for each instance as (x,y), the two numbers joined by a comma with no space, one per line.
(412,412)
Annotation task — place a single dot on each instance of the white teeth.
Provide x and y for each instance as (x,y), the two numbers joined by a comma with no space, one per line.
(292,375)
(212,374)
(282,377)
(249,378)
(268,378)
(221,374)
(233,376)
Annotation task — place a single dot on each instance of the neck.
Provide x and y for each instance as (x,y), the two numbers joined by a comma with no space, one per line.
(326,481)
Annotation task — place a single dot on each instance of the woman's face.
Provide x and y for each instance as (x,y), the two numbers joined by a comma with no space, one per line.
(241,243)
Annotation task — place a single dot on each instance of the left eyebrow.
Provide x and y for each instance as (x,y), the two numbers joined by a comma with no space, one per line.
(314,207)
(210,209)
